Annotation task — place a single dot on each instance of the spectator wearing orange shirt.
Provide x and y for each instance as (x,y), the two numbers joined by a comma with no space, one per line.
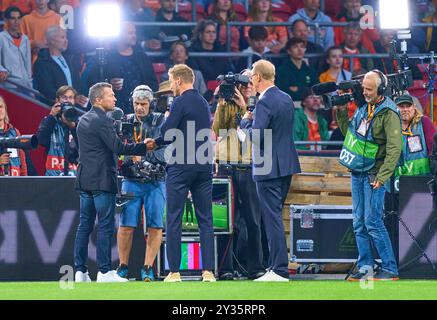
(15,58)
(222,12)
(309,125)
(352,45)
(261,11)
(36,24)
(334,67)
(351,13)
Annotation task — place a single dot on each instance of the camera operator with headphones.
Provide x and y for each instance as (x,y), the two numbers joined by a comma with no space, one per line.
(57,133)
(371,150)
(144,177)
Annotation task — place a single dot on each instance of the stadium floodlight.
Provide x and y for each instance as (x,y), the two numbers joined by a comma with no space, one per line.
(394,14)
(103,20)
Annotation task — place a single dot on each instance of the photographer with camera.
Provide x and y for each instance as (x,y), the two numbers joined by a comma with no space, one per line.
(96,182)
(371,150)
(12,161)
(144,178)
(234,159)
(57,133)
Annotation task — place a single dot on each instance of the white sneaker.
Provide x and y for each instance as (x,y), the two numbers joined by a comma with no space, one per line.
(173,277)
(271,277)
(110,276)
(82,277)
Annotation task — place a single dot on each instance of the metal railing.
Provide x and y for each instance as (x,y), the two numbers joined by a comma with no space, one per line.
(28,93)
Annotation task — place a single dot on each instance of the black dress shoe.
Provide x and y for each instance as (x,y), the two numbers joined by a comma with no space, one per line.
(257,275)
(226,276)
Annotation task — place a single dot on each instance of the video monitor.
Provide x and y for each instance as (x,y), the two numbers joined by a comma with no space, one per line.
(191,259)
(222,210)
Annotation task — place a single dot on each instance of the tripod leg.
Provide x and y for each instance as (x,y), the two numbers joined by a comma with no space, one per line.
(351,270)
(418,245)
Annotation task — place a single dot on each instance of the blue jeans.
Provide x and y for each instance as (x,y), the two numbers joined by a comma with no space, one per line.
(102,205)
(368,225)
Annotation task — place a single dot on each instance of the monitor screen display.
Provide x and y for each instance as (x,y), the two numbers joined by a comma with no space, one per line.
(222,209)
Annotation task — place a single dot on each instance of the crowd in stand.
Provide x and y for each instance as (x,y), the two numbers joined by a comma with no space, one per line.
(35,52)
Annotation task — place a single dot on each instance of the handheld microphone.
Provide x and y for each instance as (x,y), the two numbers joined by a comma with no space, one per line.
(324,88)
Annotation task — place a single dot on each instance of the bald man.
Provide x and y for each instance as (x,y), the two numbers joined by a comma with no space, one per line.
(371,150)
(274,161)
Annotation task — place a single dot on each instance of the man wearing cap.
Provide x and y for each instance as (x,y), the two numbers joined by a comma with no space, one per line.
(143,181)
(417,133)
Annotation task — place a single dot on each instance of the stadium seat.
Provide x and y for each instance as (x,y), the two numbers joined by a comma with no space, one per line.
(294,5)
(184,8)
(159,69)
(240,10)
(281,10)
(212,85)
(152,4)
(333,8)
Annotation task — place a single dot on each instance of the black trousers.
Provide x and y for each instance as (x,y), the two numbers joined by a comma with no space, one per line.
(178,183)
(245,242)
(272,194)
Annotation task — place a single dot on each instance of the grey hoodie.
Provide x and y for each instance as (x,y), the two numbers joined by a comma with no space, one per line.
(16,61)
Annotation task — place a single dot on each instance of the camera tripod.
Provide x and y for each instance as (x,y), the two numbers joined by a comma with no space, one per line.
(395,211)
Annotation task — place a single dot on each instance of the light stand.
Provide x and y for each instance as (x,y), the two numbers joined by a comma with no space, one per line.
(431,74)
(101,62)
(103,21)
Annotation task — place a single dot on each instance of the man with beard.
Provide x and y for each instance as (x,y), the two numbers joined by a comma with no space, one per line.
(309,124)
(371,151)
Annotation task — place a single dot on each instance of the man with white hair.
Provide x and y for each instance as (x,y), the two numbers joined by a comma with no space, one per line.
(53,70)
(371,150)
(147,188)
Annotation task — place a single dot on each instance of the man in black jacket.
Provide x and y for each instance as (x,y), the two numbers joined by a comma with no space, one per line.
(52,69)
(97,182)
(127,67)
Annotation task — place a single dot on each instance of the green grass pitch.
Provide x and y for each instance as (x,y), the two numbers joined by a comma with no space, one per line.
(221,290)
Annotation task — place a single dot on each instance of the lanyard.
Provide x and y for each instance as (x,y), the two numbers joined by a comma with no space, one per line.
(370,111)
(408,131)
(138,137)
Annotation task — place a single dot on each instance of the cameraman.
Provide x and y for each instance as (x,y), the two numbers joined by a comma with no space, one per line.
(238,165)
(58,135)
(13,161)
(371,151)
(149,190)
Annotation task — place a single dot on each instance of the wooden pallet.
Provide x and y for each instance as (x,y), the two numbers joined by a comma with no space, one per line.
(322,181)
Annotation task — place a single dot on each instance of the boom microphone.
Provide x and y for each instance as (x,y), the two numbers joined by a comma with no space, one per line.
(324,88)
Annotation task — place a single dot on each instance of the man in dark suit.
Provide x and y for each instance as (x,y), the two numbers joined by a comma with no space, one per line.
(189,168)
(96,180)
(274,161)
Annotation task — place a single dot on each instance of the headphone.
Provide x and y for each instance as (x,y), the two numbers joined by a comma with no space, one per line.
(382,88)
(147,89)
